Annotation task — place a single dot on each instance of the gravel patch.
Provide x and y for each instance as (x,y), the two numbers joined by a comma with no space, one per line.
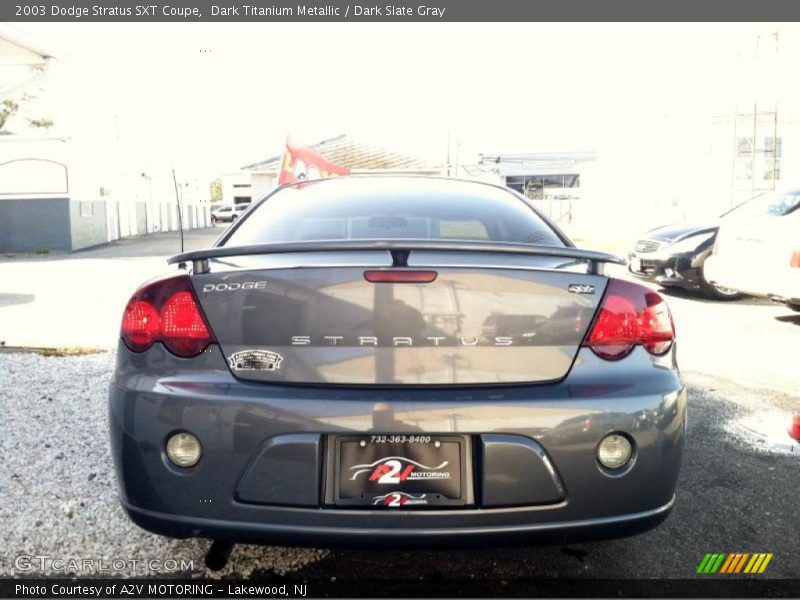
(58,495)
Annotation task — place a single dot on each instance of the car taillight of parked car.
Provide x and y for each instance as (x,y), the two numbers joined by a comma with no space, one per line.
(630,315)
(166,311)
(794,430)
(795,262)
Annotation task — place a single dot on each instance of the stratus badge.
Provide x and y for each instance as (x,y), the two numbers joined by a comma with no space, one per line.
(580,288)
(255,360)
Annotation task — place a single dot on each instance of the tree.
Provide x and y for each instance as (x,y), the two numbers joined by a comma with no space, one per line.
(10,106)
(216,190)
(7,109)
(41,123)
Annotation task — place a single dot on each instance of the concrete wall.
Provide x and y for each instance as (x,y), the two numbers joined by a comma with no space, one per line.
(141,219)
(31,224)
(262,184)
(88,223)
(57,224)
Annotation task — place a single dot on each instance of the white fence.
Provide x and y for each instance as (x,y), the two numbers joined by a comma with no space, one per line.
(135,218)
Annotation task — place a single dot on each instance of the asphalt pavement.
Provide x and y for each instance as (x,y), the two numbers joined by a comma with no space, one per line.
(731,498)
(76,299)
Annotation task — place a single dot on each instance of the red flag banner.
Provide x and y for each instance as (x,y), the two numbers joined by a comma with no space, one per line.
(302,163)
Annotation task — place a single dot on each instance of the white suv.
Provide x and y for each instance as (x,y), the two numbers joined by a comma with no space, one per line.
(757,250)
(229,213)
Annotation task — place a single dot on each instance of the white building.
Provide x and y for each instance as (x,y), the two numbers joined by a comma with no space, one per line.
(555,182)
(65,190)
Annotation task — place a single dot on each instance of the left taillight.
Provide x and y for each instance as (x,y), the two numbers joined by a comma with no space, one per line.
(166,311)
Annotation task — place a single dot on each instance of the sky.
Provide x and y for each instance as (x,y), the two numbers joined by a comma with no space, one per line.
(215,96)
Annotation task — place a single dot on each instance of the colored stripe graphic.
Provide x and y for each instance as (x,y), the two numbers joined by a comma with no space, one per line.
(741,562)
(734,562)
(753,560)
(718,562)
(726,566)
(711,563)
(703,563)
(765,563)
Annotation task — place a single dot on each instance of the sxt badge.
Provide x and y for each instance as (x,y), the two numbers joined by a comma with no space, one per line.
(580,288)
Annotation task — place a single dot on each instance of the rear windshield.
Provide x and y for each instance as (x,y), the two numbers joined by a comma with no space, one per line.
(428,209)
(778,204)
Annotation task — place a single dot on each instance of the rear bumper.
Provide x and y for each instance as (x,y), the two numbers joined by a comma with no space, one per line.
(154,395)
(780,283)
(305,535)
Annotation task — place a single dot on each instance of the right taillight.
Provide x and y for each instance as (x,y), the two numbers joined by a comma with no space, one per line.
(630,314)
(166,311)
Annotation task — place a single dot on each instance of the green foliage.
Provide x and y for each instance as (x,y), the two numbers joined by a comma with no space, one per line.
(7,108)
(41,123)
(216,190)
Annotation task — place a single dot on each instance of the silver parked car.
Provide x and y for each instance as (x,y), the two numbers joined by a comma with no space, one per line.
(398,360)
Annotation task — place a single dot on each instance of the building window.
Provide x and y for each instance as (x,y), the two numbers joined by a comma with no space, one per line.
(761,164)
(744,146)
(463,230)
(242,199)
(772,158)
(536,187)
(516,183)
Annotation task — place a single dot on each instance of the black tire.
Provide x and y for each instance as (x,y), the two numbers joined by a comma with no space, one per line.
(793,306)
(715,292)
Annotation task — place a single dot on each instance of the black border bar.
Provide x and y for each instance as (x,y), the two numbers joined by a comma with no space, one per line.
(397,11)
(701,587)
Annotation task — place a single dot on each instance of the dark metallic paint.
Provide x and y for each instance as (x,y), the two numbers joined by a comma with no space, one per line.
(154,394)
(436,322)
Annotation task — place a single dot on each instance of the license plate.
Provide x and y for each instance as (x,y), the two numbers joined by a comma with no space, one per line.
(400,471)
(636,265)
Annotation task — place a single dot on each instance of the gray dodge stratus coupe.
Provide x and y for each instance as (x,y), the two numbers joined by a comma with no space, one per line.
(400,360)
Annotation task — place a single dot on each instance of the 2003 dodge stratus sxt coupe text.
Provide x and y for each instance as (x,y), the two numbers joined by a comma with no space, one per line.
(401,360)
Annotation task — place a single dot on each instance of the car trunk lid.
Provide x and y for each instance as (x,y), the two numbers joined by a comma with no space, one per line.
(314,318)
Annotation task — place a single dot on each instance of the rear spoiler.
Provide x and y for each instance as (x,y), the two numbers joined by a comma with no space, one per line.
(398,248)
